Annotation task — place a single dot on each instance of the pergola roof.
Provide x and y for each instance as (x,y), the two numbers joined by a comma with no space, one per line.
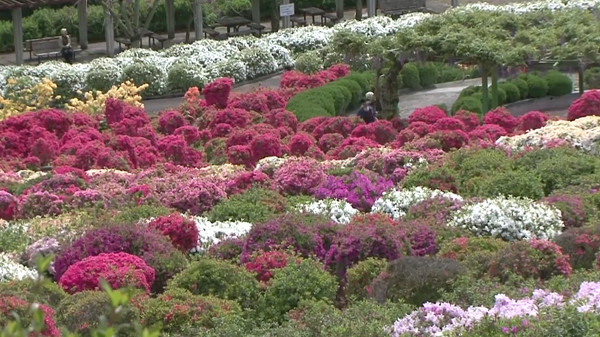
(12,4)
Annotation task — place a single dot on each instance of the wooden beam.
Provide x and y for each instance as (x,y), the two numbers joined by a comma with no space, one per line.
(256,11)
(82,21)
(199,21)
(109,31)
(170,8)
(339,9)
(17,18)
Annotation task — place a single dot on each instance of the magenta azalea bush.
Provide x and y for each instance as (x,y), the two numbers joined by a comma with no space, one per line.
(360,190)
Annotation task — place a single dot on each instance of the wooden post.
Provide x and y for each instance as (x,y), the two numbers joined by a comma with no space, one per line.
(109,31)
(170,8)
(581,78)
(339,9)
(454,3)
(286,19)
(256,11)
(199,20)
(371,8)
(82,21)
(495,99)
(359,9)
(17,17)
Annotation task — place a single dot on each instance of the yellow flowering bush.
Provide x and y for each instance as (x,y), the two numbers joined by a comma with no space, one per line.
(93,101)
(23,97)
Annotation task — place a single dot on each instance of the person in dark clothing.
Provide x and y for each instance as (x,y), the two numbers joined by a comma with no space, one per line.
(64,42)
(366,111)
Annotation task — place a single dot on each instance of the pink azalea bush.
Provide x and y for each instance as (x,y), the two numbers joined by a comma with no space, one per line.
(501,117)
(182,231)
(117,269)
(586,105)
(8,206)
(299,176)
(217,92)
(428,115)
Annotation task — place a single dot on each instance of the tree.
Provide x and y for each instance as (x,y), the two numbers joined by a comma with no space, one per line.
(129,17)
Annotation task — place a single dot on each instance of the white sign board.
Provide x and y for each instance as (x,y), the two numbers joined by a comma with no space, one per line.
(286,10)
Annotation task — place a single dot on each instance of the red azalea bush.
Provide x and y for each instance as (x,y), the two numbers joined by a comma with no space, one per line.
(10,305)
(581,244)
(469,119)
(300,143)
(232,116)
(309,125)
(450,139)
(502,117)
(217,92)
(429,114)
(176,150)
(181,230)
(299,176)
(490,132)
(340,125)
(264,263)
(330,141)
(449,123)
(254,101)
(169,121)
(245,180)
(40,204)
(265,145)
(8,206)
(281,118)
(420,128)
(241,155)
(421,237)
(352,146)
(382,131)
(531,120)
(586,105)
(190,133)
(241,137)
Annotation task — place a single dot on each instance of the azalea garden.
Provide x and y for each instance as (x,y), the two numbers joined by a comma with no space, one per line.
(276,213)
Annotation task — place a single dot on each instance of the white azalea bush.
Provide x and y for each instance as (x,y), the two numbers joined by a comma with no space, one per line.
(259,62)
(509,218)
(582,133)
(396,202)
(211,233)
(339,211)
(13,271)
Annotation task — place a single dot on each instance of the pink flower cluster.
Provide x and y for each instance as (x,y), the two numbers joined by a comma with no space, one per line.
(182,231)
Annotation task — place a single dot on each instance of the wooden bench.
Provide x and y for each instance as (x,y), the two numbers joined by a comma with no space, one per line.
(153,37)
(258,27)
(48,48)
(396,8)
(332,17)
(123,41)
(243,33)
(296,21)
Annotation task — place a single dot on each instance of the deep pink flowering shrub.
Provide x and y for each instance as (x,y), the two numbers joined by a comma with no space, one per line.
(399,158)
(502,117)
(265,145)
(300,81)
(340,125)
(54,120)
(586,105)
(46,148)
(254,101)
(421,128)
(169,121)
(276,99)
(449,123)
(489,132)
(429,114)
(383,131)
(220,130)
(241,137)
(421,237)
(176,150)
(232,116)
(309,125)
(181,230)
(40,204)
(315,153)
(190,133)
(241,155)
(450,139)
(264,263)
(195,196)
(281,118)
(305,234)
(9,305)
(330,141)
(118,269)
(299,176)
(245,180)
(352,146)
(360,190)
(340,69)
(9,206)
(154,248)
(217,92)
(571,207)
(531,120)
(405,136)
(581,244)
(469,119)
(300,143)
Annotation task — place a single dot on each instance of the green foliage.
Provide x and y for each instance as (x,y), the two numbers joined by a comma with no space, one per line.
(538,87)
(304,280)
(428,75)
(415,279)
(468,103)
(354,87)
(467,290)
(340,94)
(311,103)
(476,163)
(48,293)
(592,78)
(360,277)
(144,72)
(410,76)
(448,73)
(475,253)
(309,62)
(220,279)
(516,183)
(133,214)
(183,76)
(523,87)
(558,83)
(13,238)
(101,79)
(255,205)
(512,91)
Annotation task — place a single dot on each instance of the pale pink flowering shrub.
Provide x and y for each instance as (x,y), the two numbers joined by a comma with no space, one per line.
(88,198)
(299,176)
(118,269)
(195,196)
(429,114)
(586,105)
(40,203)
(502,117)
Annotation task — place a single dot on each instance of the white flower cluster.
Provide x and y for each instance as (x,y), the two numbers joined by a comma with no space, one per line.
(531,6)
(211,233)
(582,133)
(397,202)
(509,218)
(12,271)
(339,211)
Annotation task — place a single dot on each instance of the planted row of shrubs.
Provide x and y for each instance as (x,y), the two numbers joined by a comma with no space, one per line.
(332,99)
(531,85)
(416,76)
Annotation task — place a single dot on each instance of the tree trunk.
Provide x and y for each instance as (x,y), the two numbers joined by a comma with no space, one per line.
(389,92)
(275,16)
(484,88)
(495,99)
(359,9)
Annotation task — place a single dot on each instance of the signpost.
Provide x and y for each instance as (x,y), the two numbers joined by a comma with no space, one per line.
(286,10)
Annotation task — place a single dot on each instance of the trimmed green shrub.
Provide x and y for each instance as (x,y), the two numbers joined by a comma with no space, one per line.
(469,103)
(410,76)
(516,183)
(355,89)
(592,78)
(30,290)
(360,277)
(476,253)
(538,87)
(309,62)
(428,75)
(448,73)
(501,96)
(341,96)
(143,72)
(558,83)
(218,278)
(523,87)
(133,214)
(362,78)
(255,205)
(310,103)
(512,91)
(183,76)
(469,91)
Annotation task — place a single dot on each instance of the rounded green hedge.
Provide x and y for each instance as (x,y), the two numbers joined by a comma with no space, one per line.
(428,75)
(410,76)
(468,103)
(538,87)
(558,83)
(512,91)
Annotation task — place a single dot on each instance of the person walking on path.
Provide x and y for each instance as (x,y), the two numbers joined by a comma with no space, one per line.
(366,111)
(66,50)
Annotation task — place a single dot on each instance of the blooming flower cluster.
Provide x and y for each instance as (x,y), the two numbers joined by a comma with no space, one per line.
(211,233)
(339,211)
(397,202)
(509,218)
(13,271)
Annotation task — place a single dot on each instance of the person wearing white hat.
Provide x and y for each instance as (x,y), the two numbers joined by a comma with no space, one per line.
(64,42)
